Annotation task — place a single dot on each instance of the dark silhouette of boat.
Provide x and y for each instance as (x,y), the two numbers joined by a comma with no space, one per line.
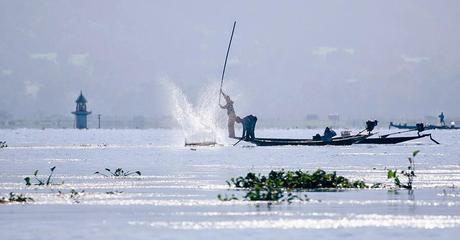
(338,141)
(393,140)
(345,139)
(427,127)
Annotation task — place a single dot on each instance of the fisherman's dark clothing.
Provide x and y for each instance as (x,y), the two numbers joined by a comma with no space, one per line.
(441,119)
(249,125)
(328,135)
(370,125)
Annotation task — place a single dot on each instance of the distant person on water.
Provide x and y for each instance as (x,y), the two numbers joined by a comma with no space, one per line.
(249,125)
(230,113)
(441,119)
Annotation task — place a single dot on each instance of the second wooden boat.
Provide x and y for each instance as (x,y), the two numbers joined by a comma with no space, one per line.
(392,140)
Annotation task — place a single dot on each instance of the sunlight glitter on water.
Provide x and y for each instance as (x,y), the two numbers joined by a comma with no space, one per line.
(351,221)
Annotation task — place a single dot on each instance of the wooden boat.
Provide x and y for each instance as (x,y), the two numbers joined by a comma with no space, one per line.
(427,127)
(392,140)
(306,142)
(401,126)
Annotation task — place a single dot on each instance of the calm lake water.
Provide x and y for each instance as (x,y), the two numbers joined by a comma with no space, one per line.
(176,196)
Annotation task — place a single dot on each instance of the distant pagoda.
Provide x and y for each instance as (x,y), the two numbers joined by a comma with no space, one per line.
(81,113)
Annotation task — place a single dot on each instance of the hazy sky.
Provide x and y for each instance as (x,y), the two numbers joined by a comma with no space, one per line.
(288,58)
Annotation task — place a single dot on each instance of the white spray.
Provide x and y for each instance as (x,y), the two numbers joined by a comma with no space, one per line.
(199,122)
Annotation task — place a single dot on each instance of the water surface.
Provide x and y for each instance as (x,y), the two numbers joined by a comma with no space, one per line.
(176,195)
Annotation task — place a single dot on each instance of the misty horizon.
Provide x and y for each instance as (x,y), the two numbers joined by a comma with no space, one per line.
(363,60)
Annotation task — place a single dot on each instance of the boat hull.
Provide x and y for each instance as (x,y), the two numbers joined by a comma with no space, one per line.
(341,141)
(391,140)
(427,127)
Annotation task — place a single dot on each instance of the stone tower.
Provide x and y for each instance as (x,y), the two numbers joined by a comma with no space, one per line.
(81,113)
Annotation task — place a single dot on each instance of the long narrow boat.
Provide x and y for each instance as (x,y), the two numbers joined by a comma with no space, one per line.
(306,142)
(427,127)
(392,140)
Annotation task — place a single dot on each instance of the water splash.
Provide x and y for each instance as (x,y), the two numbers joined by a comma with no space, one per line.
(199,122)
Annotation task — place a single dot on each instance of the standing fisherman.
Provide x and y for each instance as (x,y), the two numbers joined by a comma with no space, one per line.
(230,113)
(441,119)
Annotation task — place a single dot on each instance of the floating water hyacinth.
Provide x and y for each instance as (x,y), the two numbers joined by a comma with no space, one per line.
(296,180)
(73,195)
(119,172)
(14,197)
(41,181)
(281,185)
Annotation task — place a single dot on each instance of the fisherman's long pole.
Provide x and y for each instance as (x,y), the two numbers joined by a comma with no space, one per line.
(386,135)
(225,63)
(434,140)
(238,142)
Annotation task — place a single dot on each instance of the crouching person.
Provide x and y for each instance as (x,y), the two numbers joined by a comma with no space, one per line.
(328,135)
(249,125)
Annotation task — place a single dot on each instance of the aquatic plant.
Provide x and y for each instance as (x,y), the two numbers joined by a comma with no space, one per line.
(13,197)
(73,195)
(270,193)
(450,191)
(409,173)
(296,180)
(41,181)
(114,192)
(119,172)
(282,185)
(265,194)
(226,198)
(3,144)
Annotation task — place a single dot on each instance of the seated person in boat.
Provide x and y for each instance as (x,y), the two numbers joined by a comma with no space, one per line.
(230,113)
(249,125)
(370,125)
(317,137)
(420,127)
(328,135)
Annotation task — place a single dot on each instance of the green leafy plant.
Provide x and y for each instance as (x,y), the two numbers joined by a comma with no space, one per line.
(13,197)
(270,193)
(296,180)
(409,173)
(282,185)
(119,172)
(41,181)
